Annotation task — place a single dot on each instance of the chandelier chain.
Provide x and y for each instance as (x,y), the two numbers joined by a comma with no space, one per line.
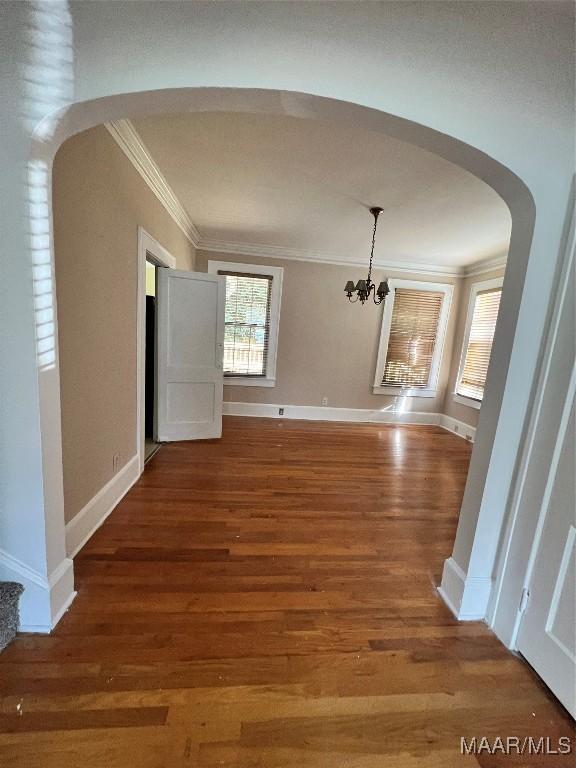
(372,249)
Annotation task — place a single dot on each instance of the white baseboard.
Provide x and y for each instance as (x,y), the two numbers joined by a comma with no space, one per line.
(62,592)
(322,413)
(466,596)
(91,517)
(44,600)
(459,428)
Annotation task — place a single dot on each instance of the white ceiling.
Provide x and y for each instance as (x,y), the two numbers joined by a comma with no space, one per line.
(263,180)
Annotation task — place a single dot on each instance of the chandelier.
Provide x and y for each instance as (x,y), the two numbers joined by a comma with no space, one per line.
(366,288)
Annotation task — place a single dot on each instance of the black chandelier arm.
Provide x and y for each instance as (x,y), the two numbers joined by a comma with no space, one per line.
(364,289)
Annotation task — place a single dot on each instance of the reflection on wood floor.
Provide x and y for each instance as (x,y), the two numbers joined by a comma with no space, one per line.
(268,600)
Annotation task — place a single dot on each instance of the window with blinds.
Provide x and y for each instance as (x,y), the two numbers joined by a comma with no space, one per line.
(412,340)
(247,324)
(479,345)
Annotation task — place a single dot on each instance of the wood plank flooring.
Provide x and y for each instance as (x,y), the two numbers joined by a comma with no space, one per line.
(268,600)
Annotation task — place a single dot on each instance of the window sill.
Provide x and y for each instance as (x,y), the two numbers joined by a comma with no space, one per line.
(247,381)
(470,402)
(403,392)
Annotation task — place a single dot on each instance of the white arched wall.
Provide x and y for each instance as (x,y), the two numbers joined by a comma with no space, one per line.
(119,73)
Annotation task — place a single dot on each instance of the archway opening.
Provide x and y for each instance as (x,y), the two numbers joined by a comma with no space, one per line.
(321,110)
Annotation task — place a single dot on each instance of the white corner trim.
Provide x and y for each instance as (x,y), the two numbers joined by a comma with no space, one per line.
(486,265)
(149,249)
(466,596)
(324,413)
(130,142)
(60,612)
(62,591)
(56,591)
(459,428)
(91,517)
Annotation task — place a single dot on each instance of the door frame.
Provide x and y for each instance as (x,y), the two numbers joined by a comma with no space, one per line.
(152,251)
(521,535)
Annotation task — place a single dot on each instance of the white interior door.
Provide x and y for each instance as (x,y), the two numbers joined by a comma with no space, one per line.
(547,635)
(190,344)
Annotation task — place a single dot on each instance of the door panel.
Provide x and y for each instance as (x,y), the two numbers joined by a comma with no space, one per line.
(547,636)
(190,331)
(193,401)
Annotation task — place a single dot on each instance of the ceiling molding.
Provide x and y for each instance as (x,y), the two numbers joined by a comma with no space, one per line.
(486,265)
(129,141)
(294,254)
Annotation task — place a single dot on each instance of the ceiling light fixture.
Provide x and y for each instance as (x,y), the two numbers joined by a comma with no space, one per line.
(366,288)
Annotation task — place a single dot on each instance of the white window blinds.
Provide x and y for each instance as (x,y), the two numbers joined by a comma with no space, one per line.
(247,323)
(479,346)
(413,334)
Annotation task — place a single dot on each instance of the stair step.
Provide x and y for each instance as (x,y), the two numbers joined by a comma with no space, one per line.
(10,592)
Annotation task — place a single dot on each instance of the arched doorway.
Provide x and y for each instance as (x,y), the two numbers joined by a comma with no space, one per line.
(84,115)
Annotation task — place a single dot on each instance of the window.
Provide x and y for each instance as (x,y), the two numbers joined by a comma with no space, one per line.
(478,336)
(253,295)
(412,338)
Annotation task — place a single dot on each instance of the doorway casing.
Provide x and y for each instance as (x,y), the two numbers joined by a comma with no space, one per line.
(152,251)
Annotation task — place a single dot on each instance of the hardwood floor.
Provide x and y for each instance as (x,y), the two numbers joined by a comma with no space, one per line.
(268,600)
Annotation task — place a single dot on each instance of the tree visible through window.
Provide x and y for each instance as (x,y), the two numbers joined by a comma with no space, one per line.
(247,323)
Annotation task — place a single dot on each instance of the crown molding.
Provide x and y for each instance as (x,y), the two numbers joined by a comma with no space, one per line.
(486,265)
(295,254)
(129,141)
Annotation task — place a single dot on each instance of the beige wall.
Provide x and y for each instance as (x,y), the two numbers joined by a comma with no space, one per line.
(327,347)
(99,200)
(451,408)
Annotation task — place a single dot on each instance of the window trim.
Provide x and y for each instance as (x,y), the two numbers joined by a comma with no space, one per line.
(475,289)
(432,389)
(277,273)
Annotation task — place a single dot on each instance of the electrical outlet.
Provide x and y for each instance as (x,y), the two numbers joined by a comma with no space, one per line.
(280,411)
(116,462)
(324,401)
